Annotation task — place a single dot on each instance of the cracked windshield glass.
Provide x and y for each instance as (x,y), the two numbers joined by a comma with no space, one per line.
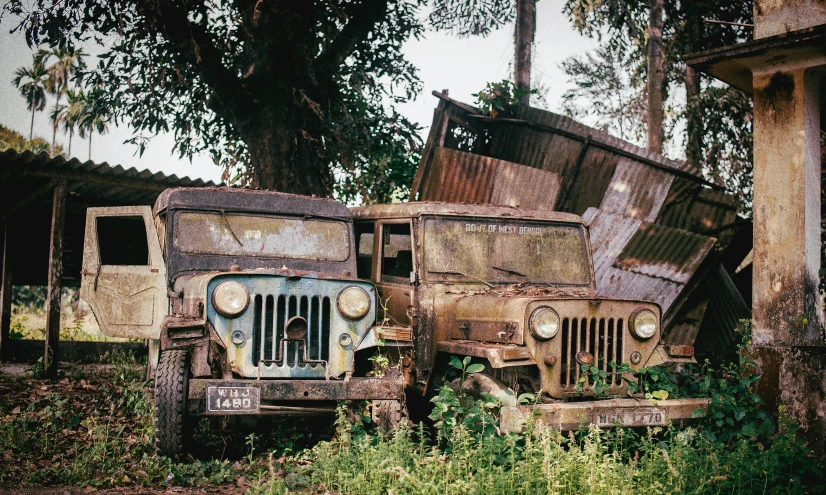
(505,251)
(262,236)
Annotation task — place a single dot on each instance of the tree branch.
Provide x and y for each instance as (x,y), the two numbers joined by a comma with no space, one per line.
(363,19)
(196,48)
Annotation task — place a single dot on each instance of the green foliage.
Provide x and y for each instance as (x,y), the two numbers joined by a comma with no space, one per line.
(454,407)
(610,85)
(542,460)
(11,140)
(605,94)
(500,98)
(282,95)
(471,18)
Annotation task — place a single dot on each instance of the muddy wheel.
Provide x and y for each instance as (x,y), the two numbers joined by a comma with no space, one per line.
(171,386)
(478,383)
(388,414)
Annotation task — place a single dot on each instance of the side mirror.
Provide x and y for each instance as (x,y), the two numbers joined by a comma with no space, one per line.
(412,278)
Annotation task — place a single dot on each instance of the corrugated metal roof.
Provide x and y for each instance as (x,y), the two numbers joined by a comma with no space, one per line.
(636,191)
(718,334)
(21,172)
(640,260)
(470,178)
(664,252)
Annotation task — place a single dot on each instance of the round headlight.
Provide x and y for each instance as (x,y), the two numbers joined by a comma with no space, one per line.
(353,303)
(644,324)
(544,323)
(230,299)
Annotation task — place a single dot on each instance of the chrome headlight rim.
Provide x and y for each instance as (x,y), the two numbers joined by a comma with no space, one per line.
(218,302)
(635,323)
(535,326)
(347,312)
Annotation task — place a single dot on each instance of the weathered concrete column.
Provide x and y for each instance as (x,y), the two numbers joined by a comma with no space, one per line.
(783,67)
(787,208)
(788,339)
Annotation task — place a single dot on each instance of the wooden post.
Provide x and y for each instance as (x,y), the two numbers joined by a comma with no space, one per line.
(5,296)
(523,41)
(51,353)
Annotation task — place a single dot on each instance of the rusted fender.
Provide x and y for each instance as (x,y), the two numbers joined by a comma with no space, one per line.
(310,390)
(603,413)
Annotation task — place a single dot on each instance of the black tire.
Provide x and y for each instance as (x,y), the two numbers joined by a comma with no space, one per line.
(171,387)
(388,414)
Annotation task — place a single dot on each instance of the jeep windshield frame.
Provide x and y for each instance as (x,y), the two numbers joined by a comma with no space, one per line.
(261,235)
(195,259)
(473,250)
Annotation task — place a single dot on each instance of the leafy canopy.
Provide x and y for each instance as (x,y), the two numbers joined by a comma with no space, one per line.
(294,96)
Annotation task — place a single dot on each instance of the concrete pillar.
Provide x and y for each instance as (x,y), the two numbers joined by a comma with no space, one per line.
(787,208)
(788,338)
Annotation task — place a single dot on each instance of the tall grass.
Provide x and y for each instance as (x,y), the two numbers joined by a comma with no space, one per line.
(542,460)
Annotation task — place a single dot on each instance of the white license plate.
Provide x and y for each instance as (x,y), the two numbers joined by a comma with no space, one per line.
(223,399)
(638,416)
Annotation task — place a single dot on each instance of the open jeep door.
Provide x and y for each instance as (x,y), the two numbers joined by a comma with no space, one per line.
(124,275)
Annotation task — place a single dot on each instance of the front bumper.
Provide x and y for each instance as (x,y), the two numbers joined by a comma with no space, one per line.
(308,390)
(603,413)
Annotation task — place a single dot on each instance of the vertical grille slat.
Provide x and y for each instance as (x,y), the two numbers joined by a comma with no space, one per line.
(271,313)
(269,310)
(601,337)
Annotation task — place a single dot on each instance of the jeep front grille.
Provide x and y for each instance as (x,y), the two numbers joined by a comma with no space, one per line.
(271,312)
(601,337)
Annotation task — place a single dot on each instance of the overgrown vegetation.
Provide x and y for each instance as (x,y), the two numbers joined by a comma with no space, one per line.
(90,430)
(735,448)
(95,429)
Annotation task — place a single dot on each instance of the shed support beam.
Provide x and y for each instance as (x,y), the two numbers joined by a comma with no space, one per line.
(5,296)
(51,352)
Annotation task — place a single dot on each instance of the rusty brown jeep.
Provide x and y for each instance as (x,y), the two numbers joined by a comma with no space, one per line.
(513,289)
(248,299)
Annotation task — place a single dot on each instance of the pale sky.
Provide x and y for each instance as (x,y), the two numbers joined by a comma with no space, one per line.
(445,62)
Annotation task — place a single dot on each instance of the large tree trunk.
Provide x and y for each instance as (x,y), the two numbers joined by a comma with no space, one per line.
(694,120)
(280,162)
(523,42)
(655,76)
(90,144)
(31,127)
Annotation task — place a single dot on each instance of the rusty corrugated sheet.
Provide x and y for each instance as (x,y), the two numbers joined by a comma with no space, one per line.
(636,191)
(640,260)
(718,334)
(696,208)
(457,176)
(664,252)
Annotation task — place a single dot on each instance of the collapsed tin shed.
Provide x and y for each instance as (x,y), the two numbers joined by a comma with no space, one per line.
(659,231)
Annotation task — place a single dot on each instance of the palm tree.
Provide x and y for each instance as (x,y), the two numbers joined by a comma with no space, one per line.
(95,115)
(34,87)
(68,61)
(69,116)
